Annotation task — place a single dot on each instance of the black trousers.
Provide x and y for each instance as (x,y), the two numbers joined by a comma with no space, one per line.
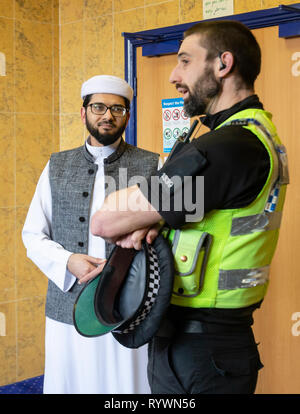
(204,363)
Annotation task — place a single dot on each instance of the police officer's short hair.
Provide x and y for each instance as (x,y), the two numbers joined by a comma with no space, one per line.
(229,35)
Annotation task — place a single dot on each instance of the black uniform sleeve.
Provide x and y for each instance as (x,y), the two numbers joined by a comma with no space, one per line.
(223,169)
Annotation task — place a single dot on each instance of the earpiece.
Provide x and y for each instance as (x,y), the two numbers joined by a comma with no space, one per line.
(222,64)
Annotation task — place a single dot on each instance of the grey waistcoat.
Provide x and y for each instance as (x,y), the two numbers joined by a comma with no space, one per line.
(72,176)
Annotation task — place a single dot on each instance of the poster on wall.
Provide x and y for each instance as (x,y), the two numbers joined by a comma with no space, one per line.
(175,121)
(217,8)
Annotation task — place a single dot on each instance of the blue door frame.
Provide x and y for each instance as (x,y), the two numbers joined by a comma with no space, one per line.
(166,40)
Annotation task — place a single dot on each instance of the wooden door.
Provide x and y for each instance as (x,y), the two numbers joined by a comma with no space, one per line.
(277,323)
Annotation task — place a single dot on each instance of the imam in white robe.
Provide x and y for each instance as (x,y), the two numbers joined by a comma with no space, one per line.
(75,364)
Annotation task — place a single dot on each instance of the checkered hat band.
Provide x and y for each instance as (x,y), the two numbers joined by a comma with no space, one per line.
(154,278)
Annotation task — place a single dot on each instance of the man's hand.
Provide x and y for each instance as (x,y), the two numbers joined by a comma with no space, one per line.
(85,267)
(134,239)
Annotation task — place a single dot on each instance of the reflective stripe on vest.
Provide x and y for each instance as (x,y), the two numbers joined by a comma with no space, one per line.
(258,222)
(243,278)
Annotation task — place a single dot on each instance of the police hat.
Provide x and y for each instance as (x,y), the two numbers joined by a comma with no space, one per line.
(130,296)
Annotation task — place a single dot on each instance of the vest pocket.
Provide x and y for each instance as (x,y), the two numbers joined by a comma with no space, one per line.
(190,249)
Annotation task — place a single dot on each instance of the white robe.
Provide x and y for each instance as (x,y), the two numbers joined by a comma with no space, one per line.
(75,364)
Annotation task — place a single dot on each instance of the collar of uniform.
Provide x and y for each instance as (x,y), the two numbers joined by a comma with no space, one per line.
(213,120)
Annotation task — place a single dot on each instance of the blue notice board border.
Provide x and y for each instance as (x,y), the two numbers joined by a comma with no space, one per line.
(169,103)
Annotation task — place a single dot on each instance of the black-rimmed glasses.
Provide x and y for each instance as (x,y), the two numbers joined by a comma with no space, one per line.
(98,108)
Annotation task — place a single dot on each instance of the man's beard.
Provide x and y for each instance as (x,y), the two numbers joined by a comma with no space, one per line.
(205,89)
(107,138)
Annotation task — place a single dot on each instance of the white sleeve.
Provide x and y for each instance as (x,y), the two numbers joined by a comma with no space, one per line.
(50,257)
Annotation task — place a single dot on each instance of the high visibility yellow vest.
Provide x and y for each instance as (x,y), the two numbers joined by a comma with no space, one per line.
(223,260)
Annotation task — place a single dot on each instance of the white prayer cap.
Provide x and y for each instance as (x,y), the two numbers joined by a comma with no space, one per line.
(107,84)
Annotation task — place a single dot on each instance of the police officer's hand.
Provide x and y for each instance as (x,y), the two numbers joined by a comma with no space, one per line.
(134,239)
(85,267)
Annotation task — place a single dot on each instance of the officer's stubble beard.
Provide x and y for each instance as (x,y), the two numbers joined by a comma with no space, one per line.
(204,95)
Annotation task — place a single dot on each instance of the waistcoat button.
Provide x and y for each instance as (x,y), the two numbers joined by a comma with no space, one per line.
(91,171)
(85,194)
(80,244)
(183,258)
(82,219)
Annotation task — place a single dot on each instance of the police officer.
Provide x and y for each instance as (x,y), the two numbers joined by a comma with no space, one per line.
(222,256)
